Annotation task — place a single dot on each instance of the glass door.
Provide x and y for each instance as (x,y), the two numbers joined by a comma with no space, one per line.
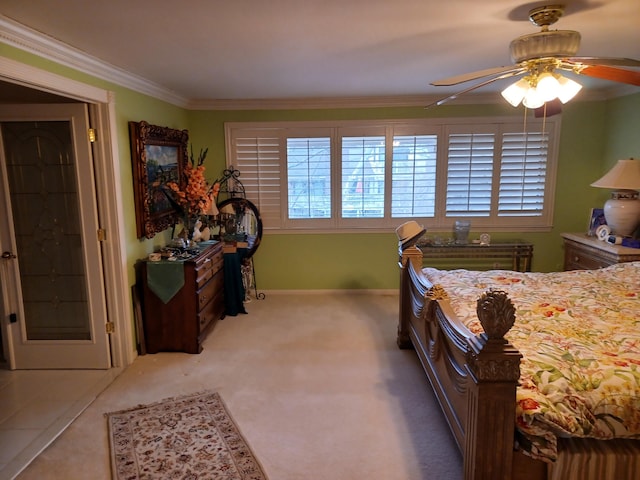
(53,297)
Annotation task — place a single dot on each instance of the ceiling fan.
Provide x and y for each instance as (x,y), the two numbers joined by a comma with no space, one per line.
(539,58)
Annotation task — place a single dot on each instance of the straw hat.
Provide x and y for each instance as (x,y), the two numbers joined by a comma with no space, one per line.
(409,232)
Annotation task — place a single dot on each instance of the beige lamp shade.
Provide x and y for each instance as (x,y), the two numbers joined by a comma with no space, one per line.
(622,210)
(625,175)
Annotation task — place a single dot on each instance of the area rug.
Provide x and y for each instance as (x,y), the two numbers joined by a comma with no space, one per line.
(190,437)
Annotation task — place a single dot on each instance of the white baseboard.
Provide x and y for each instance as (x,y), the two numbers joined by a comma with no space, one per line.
(338,291)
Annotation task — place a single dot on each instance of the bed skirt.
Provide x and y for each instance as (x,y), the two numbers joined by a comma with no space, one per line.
(581,459)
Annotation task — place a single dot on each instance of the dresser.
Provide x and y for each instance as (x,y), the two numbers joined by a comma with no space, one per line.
(582,252)
(196,290)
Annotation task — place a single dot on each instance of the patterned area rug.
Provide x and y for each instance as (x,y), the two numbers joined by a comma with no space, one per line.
(189,437)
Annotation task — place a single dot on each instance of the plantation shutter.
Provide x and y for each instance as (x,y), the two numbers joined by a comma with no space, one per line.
(523,174)
(339,176)
(469,174)
(309,177)
(258,160)
(413,176)
(363,172)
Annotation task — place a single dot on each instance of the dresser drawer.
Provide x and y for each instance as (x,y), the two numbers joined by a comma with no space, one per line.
(206,294)
(584,259)
(208,267)
(212,311)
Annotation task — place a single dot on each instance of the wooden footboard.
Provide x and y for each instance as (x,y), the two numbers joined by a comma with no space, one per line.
(473,377)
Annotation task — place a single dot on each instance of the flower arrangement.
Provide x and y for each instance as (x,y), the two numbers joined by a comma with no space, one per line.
(194,196)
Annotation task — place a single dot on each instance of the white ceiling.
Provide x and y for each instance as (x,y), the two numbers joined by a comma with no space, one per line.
(202,50)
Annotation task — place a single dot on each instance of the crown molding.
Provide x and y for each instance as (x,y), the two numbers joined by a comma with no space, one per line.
(487,98)
(381,101)
(310,103)
(619,90)
(19,36)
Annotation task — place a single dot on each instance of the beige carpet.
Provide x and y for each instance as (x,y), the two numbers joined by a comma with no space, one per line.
(188,437)
(315,383)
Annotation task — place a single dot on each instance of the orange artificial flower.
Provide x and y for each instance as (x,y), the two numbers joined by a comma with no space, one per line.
(195,196)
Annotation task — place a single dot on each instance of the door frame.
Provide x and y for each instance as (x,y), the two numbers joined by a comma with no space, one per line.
(101,104)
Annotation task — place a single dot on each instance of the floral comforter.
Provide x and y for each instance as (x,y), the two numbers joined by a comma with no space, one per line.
(579,333)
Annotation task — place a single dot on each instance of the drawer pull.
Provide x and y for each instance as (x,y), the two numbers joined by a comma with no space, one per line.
(576,258)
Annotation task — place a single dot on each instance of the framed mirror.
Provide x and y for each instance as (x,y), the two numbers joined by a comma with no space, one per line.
(159,155)
(240,220)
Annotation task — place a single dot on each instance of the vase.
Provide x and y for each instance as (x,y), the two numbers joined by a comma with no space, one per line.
(190,232)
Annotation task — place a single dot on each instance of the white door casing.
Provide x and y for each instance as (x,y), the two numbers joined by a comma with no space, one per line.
(109,186)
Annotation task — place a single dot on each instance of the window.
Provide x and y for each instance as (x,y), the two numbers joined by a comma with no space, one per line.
(413,173)
(469,174)
(523,174)
(362,177)
(309,177)
(337,176)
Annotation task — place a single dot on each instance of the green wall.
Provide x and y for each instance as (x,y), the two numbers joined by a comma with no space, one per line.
(131,106)
(594,135)
(365,260)
(622,129)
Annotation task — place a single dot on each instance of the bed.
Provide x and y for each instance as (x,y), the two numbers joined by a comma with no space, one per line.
(538,375)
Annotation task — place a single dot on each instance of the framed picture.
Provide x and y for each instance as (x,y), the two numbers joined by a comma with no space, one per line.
(595,220)
(159,155)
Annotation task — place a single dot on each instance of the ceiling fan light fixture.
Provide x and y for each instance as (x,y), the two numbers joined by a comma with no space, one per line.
(533,99)
(548,86)
(539,57)
(514,93)
(567,88)
(535,90)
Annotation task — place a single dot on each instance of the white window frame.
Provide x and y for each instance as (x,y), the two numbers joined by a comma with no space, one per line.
(358,131)
(295,223)
(440,127)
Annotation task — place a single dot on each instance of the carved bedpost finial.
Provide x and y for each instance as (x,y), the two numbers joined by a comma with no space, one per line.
(496,313)
(436,293)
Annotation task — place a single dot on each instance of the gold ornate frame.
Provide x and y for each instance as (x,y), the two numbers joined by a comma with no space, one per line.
(158,155)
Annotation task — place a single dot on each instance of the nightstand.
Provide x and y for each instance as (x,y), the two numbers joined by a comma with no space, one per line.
(582,252)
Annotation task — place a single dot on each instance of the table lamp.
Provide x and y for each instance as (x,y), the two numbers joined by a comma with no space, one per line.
(622,210)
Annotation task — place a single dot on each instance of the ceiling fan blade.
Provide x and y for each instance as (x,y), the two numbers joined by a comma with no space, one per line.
(475,75)
(612,73)
(612,61)
(474,87)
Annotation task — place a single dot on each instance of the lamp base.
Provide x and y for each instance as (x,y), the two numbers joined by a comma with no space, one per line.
(622,212)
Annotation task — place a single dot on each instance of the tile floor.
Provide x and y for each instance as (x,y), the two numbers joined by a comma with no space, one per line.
(37,405)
